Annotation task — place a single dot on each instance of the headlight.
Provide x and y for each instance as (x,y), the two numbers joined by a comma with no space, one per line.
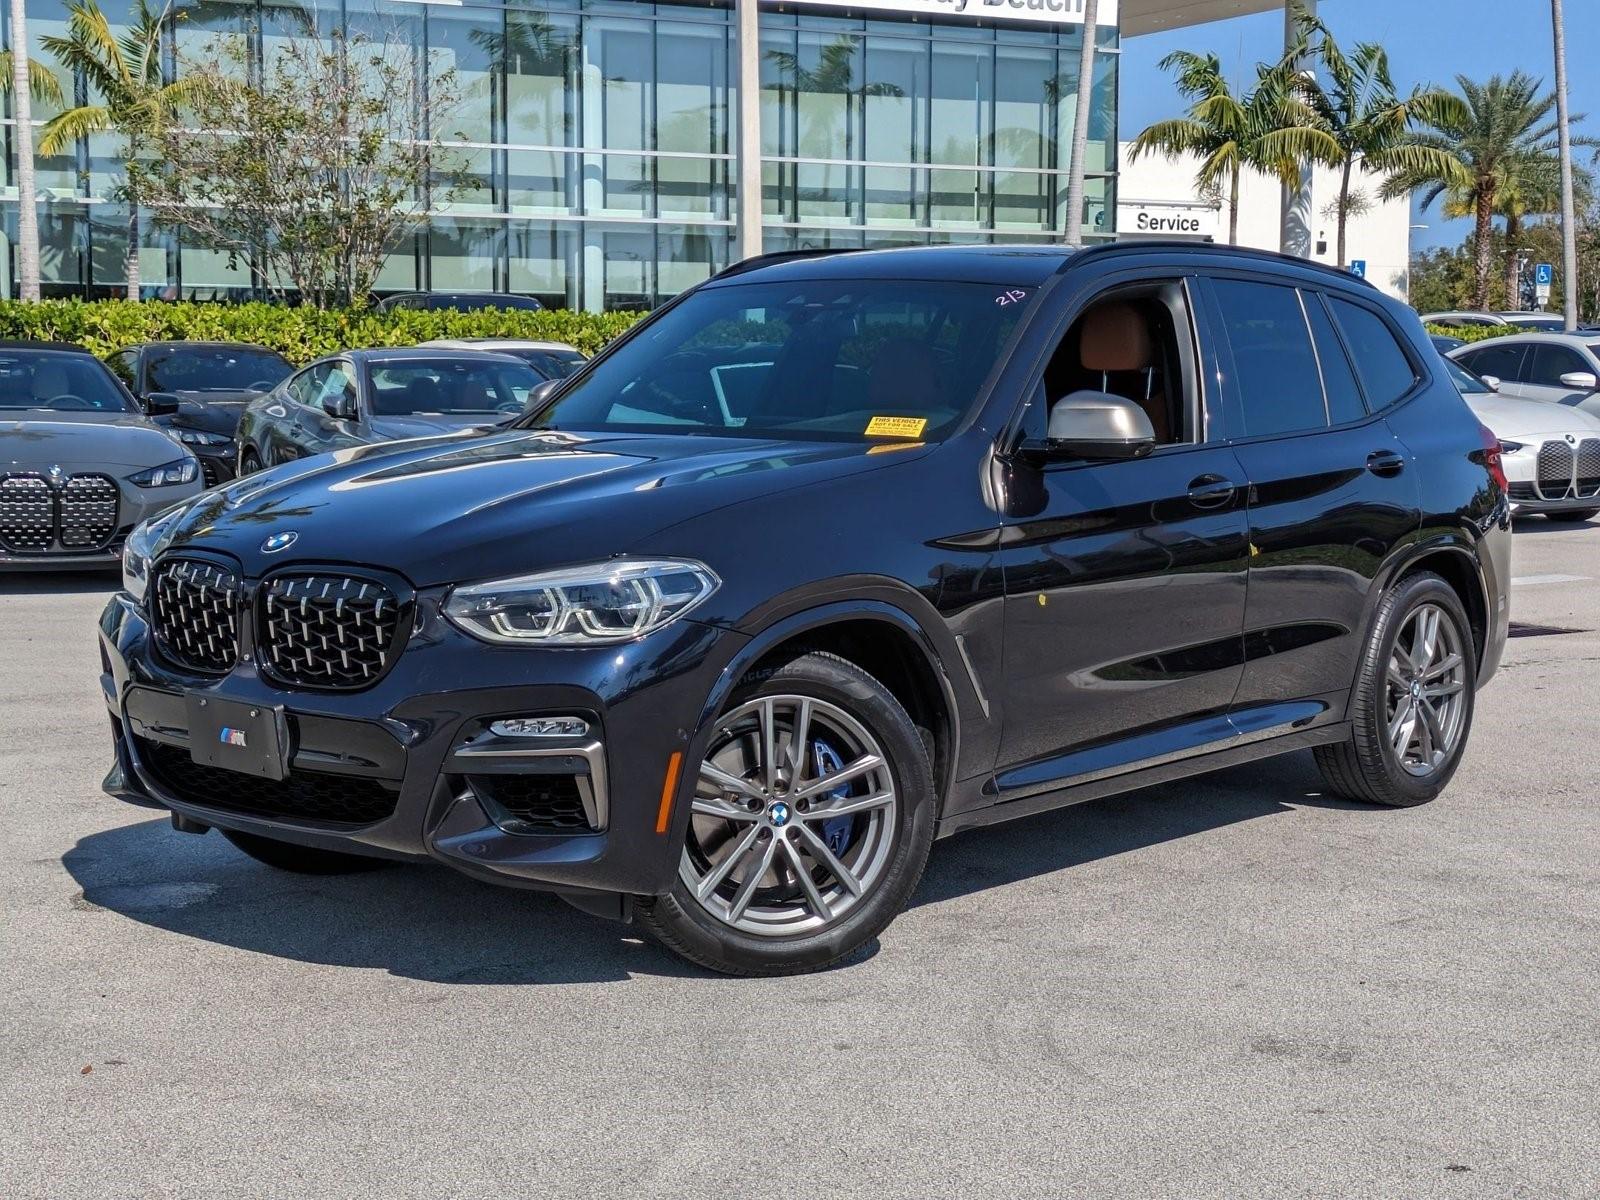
(1511,447)
(138,550)
(199,437)
(184,470)
(582,606)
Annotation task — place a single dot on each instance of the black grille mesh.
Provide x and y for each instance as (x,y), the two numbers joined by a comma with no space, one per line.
(1589,467)
(79,513)
(194,609)
(1554,470)
(87,511)
(536,803)
(308,795)
(329,631)
(27,514)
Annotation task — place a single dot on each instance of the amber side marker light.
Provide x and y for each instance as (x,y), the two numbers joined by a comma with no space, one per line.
(668,786)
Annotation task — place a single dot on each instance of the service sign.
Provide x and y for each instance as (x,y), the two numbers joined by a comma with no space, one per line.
(1196,221)
(1054,12)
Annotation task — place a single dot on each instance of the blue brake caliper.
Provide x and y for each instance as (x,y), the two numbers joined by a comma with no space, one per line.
(825,760)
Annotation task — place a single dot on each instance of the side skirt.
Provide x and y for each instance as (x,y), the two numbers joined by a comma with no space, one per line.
(1094,789)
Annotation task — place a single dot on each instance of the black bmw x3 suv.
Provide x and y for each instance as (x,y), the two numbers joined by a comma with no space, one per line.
(831,556)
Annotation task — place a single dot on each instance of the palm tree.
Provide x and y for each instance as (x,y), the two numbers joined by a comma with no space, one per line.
(132,98)
(1269,129)
(1569,211)
(1531,187)
(1080,124)
(26,80)
(1355,101)
(1502,133)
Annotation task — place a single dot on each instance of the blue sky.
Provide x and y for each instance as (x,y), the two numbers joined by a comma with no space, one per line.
(1431,42)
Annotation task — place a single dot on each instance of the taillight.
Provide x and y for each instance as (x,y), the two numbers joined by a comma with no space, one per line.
(1492,458)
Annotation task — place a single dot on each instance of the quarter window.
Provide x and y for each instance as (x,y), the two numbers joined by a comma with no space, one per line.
(1385,371)
(1275,370)
(1547,364)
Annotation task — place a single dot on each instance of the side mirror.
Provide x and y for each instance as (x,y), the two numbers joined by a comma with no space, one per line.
(1098,425)
(160,404)
(1580,381)
(540,396)
(1492,380)
(341,407)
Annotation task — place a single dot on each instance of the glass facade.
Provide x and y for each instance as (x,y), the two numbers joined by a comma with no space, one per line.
(599,142)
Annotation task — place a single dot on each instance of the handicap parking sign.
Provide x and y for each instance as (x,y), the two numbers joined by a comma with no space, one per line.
(1544,274)
(1358,267)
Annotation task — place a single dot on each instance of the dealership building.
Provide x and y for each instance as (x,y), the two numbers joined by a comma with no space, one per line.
(606,146)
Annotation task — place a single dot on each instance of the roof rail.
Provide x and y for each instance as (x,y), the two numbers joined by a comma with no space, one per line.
(1101,249)
(778,256)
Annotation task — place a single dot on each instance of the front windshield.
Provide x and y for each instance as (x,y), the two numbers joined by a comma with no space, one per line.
(216,369)
(830,360)
(445,386)
(1466,382)
(58,380)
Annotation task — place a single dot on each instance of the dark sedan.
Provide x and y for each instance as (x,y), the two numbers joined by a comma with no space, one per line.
(197,390)
(460,301)
(365,396)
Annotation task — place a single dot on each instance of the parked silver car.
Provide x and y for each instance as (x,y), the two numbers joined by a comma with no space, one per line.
(80,465)
(1563,368)
(1551,453)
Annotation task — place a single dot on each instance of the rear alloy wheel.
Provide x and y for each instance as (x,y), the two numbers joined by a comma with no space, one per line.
(809,827)
(1411,709)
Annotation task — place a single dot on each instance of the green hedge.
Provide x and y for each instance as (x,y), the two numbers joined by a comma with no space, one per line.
(299,334)
(1474,333)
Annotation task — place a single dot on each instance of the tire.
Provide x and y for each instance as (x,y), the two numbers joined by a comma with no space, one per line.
(249,463)
(1371,765)
(780,828)
(1573,515)
(302,860)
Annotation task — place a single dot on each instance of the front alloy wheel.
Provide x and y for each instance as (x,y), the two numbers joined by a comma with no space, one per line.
(1426,706)
(810,823)
(794,817)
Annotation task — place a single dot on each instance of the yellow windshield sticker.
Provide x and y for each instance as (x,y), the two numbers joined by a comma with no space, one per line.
(891,447)
(896,427)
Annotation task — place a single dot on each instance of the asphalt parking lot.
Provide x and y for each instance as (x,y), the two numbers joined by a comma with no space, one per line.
(1225,987)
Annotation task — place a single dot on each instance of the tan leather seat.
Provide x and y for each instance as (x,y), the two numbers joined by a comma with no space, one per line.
(1115,340)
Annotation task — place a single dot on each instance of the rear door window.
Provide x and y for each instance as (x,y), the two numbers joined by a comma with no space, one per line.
(1276,379)
(1338,380)
(1547,364)
(1385,369)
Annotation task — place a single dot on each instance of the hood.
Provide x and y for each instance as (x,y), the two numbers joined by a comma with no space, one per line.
(448,510)
(33,442)
(420,425)
(214,412)
(1514,420)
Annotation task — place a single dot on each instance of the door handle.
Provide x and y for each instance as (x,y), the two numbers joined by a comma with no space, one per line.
(1211,491)
(1386,463)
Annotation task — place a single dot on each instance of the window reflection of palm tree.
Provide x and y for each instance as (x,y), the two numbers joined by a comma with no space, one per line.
(833,75)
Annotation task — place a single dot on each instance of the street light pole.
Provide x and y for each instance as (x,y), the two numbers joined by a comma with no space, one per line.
(1569,208)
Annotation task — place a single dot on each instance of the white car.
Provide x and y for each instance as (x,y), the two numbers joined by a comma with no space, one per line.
(1551,453)
(1562,368)
(552,360)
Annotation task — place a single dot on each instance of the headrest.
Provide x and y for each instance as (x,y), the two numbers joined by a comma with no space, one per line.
(1116,337)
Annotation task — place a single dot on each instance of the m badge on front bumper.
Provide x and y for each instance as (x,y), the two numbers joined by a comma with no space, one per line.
(233,737)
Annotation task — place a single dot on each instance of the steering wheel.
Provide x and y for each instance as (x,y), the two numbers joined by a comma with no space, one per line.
(67,402)
(510,407)
(260,385)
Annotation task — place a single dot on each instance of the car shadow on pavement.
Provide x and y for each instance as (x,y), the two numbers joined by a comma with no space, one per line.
(419,921)
(423,921)
(1098,829)
(1536,524)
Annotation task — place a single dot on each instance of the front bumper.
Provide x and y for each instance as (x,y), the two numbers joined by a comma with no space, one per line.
(407,768)
(1558,474)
